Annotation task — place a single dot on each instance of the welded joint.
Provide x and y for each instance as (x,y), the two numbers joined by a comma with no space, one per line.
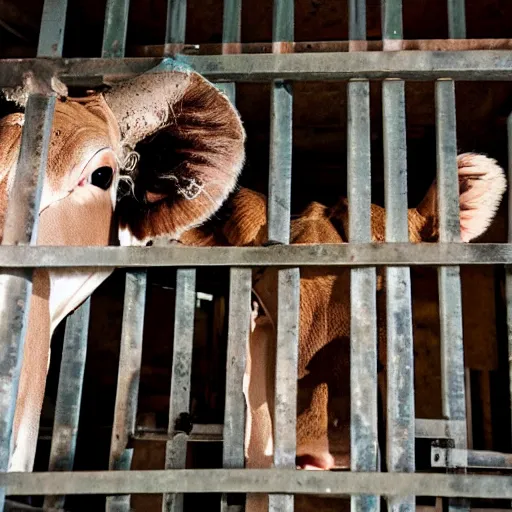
(446,457)
(42,81)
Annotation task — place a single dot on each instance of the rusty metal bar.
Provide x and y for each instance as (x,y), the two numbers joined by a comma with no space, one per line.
(179,408)
(363,318)
(16,285)
(69,396)
(400,354)
(128,378)
(450,301)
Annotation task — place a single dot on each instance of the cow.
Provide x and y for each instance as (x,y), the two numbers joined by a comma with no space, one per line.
(92,144)
(174,146)
(324,331)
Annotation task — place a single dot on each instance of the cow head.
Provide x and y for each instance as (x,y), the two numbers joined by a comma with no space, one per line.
(169,135)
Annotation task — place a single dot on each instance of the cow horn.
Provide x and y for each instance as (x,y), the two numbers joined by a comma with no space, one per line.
(190,141)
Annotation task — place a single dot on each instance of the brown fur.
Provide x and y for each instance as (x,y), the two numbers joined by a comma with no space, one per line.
(325,305)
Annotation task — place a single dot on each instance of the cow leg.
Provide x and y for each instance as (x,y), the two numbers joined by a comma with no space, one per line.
(32,383)
(259,395)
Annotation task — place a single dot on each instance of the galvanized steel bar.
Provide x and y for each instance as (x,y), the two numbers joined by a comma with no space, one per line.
(508,268)
(456,19)
(239,305)
(51,33)
(130,356)
(478,65)
(232,21)
(288,293)
(128,378)
(337,255)
(179,408)
(450,301)
(233,454)
(69,396)
(400,354)
(176,21)
(20,228)
(116,23)
(280,181)
(238,338)
(74,348)
(363,318)
(392,27)
(291,481)
(357,20)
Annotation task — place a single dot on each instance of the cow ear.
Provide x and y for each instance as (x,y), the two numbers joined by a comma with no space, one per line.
(187,142)
(482,184)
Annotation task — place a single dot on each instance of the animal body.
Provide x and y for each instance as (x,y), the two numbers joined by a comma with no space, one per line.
(182,145)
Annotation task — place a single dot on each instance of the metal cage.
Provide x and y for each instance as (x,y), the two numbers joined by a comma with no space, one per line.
(365,483)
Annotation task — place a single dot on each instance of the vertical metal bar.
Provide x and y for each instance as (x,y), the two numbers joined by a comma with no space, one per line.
(16,285)
(283,19)
(116,23)
(74,349)
(280,175)
(176,448)
(450,301)
(508,268)
(128,378)
(363,318)
(392,27)
(400,358)
(127,393)
(232,21)
(357,20)
(51,34)
(176,21)
(69,396)
(233,455)
(457,19)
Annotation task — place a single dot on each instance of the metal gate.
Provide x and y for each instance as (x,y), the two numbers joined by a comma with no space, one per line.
(365,484)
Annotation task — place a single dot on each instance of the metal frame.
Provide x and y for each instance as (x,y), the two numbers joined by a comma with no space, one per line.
(50,73)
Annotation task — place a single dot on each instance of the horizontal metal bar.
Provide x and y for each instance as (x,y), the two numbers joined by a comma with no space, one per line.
(454,457)
(266,481)
(439,429)
(344,255)
(430,45)
(200,433)
(418,65)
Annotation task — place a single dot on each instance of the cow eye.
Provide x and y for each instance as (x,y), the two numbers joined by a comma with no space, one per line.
(102,177)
